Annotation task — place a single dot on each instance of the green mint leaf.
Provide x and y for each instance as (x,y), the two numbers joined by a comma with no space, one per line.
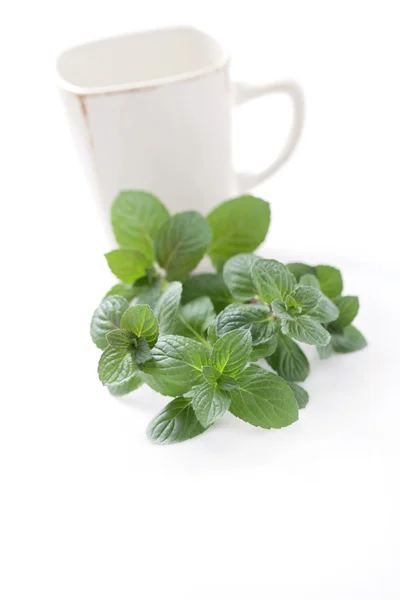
(126,290)
(142,352)
(313,303)
(310,280)
(325,352)
(348,308)
(231,352)
(224,382)
(106,318)
(252,317)
(330,280)
(238,225)
(291,304)
(212,333)
(263,399)
(306,329)
(195,317)
(237,276)
(168,306)
(119,339)
(209,403)
(300,269)
(176,365)
(147,293)
(128,265)
(211,374)
(181,243)
(141,321)
(175,423)
(127,387)
(349,340)
(272,279)
(136,217)
(264,349)
(116,366)
(289,360)
(280,309)
(143,291)
(227,383)
(300,394)
(207,284)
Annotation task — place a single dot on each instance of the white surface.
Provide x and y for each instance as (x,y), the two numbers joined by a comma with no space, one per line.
(89,509)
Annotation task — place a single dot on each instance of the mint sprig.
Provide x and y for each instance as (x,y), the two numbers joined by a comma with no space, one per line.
(196,337)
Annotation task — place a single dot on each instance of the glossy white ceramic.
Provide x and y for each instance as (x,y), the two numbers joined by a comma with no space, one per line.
(152,111)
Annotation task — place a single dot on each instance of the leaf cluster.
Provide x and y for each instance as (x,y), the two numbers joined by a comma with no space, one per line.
(214,342)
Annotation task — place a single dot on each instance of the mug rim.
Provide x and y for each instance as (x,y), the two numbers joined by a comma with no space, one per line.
(66,85)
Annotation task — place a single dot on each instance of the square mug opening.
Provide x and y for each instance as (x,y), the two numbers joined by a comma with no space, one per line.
(138,60)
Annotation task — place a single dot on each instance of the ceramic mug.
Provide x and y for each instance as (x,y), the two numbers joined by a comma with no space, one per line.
(152,111)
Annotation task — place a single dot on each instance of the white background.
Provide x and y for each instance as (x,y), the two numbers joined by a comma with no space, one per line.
(89,509)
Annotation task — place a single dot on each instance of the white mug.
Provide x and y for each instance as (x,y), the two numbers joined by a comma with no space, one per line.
(152,111)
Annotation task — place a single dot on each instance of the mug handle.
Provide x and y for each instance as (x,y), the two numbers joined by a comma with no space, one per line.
(244,92)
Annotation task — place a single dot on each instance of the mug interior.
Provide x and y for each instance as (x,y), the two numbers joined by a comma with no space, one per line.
(138,60)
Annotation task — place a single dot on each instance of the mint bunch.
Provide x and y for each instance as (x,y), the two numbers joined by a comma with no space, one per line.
(214,342)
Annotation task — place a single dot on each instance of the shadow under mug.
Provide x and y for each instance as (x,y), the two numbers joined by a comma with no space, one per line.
(152,111)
